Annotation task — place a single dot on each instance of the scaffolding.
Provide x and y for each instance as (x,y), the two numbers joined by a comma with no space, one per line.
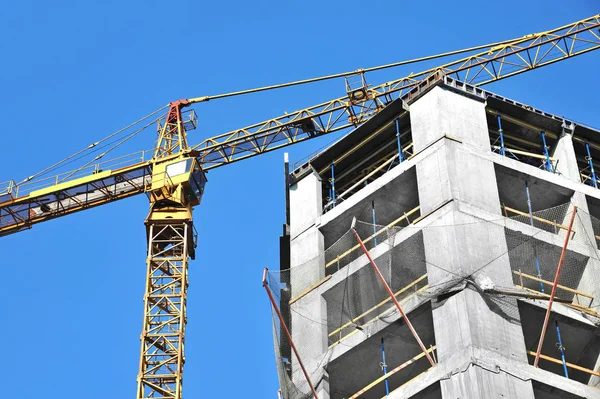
(359,308)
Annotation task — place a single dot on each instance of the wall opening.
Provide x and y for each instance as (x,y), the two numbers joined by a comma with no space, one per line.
(357,369)
(579,338)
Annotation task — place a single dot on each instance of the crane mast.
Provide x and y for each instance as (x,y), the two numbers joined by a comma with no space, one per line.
(177,186)
(174,178)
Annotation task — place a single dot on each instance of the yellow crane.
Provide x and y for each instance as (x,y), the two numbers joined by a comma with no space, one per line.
(174,176)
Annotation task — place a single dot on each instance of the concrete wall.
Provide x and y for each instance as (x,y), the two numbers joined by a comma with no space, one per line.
(307,268)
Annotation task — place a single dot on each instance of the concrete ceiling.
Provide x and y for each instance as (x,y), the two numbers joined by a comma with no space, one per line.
(391,201)
(543,391)
(544,195)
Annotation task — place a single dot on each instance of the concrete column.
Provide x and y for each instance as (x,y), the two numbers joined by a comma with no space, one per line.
(307,260)
(306,241)
(306,203)
(452,172)
(442,112)
(309,332)
(460,247)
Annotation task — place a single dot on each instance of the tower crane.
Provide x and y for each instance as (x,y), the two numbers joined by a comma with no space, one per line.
(174,177)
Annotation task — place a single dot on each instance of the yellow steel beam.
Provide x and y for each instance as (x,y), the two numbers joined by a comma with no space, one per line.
(72,196)
(68,184)
(525,153)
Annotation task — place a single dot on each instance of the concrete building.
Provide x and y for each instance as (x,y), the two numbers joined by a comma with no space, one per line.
(466,222)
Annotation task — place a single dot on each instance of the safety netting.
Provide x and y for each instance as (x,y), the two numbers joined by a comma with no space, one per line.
(336,301)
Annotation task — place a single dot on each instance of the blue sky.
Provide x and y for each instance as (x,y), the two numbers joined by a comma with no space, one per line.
(75,71)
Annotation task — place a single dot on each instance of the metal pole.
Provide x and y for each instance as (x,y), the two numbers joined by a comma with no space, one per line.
(391,294)
(537,262)
(332,180)
(400,157)
(501,132)
(287,332)
(384,368)
(330,196)
(286,171)
(374,225)
(591,163)
(561,348)
(551,300)
(546,154)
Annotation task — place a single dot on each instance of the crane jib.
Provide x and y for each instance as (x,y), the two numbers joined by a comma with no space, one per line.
(65,198)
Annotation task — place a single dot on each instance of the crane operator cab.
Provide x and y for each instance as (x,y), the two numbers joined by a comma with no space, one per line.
(178,181)
(177,186)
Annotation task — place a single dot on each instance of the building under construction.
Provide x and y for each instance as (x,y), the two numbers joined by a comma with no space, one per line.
(427,250)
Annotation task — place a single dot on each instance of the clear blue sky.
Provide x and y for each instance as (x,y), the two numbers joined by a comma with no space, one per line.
(74,71)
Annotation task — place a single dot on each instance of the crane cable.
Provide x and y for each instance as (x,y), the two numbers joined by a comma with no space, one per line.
(358,71)
(61,162)
(491,46)
(283,85)
(97,157)
(259,89)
